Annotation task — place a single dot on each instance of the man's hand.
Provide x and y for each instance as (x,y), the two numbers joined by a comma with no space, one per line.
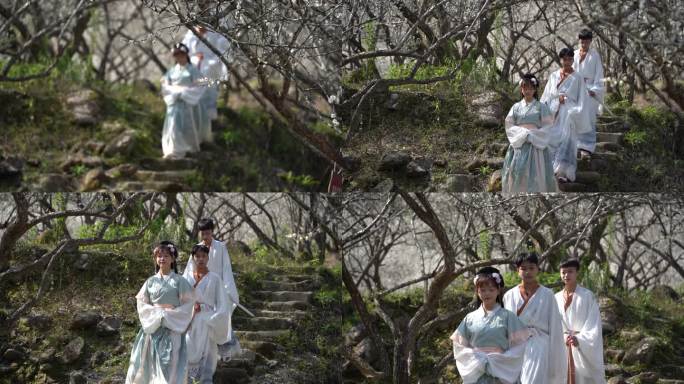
(561,99)
(592,93)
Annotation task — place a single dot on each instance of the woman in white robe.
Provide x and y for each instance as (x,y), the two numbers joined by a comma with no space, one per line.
(210,323)
(564,94)
(587,63)
(490,342)
(219,263)
(182,93)
(165,303)
(582,328)
(544,361)
(528,165)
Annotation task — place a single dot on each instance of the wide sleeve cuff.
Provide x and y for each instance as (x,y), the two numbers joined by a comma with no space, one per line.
(178,319)
(149,315)
(517,135)
(470,364)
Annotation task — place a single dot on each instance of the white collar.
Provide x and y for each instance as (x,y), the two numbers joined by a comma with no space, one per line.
(165,277)
(491,313)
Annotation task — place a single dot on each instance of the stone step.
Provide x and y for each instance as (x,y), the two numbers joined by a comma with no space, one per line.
(281,314)
(593,164)
(265,348)
(157,186)
(272,285)
(611,125)
(289,271)
(587,177)
(264,323)
(613,128)
(304,296)
(296,314)
(228,375)
(271,335)
(610,137)
(293,278)
(608,156)
(245,360)
(161,164)
(291,305)
(178,176)
(572,187)
(608,146)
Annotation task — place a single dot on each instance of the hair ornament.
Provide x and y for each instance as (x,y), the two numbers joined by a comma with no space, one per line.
(495,276)
(532,80)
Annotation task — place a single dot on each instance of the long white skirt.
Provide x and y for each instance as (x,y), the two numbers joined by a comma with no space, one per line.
(528,169)
(180,133)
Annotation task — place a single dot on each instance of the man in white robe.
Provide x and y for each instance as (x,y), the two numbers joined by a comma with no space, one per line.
(211,67)
(582,333)
(587,63)
(219,263)
(545,360)
(564,94)
(210,322)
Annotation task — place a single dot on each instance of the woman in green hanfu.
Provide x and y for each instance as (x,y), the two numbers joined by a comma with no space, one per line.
(528,166)
(182,90)
(165,305)
(489,344)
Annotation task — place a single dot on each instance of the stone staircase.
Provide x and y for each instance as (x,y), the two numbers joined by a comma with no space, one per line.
(282,301)
(609,146)
(609,140)
(160,175)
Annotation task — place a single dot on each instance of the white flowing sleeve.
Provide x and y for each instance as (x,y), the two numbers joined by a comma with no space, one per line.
(597,85)
(579,96)
(219,322)
(192,94)
(227,275)
(590,340)
(558,363)
(178,319)
(517,135)
(506,366)
(189,269)
(149,315)
(170,93)
(470,363)
(546,135)
(550,96)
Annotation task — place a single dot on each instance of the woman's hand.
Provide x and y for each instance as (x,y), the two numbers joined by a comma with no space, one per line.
(561,99)
(198,307)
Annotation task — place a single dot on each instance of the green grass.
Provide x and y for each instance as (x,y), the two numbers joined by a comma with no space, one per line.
(650,315)
(116,273)
(435,121)
(250,146)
